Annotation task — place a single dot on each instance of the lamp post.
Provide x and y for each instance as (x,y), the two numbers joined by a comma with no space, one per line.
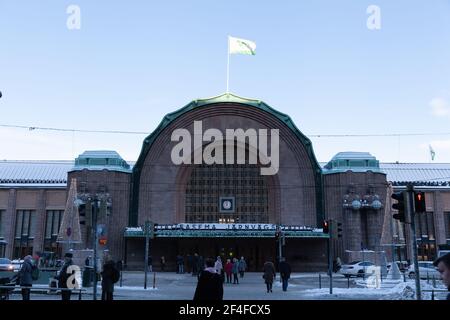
(94,202)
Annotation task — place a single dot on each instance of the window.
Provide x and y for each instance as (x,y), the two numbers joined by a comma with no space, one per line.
(201,201)
(447,226)
(25,224)
(24,233)
(425,233)
(53,223)
(2,217)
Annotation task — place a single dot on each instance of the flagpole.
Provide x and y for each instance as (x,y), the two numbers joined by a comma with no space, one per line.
(228,64)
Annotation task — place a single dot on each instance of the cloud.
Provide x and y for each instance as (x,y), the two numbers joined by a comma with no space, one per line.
(439,107)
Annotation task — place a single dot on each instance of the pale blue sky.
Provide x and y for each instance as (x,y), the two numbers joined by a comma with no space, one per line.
(134,61)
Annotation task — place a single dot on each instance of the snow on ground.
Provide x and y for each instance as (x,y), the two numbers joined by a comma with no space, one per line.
(387,291)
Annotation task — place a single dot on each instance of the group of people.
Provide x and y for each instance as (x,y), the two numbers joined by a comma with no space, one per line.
(109,276)
(211,279)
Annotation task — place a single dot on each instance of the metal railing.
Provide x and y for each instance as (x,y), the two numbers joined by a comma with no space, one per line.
(6,291)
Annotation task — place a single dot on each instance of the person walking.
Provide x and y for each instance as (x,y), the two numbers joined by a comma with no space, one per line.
(229,270)
(110,275)
(235,271)
(269,274)
(219,268)
(180,264)
(242,267)
(150,264)
(285,272)
(163,263)
(63,276)
(210,284)
(25,278)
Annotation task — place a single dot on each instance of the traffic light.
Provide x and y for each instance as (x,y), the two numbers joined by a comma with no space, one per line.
(339,229)
(399,206)
(419,202)
(325,226)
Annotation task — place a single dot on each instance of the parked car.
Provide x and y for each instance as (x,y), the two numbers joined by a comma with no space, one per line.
(426,270)
(355,268)
(17,264)
(6,265)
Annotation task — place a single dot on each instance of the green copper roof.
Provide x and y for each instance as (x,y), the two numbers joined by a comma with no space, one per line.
(101,160)
(352,161)
(221,99)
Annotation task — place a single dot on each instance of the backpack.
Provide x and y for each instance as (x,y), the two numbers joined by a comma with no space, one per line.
(35,272)
(115,275)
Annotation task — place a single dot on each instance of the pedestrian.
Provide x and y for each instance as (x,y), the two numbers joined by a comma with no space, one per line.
(25,278)
(269,274)
(443,266)
(180,264)
(219,268)
(229,270)
(285,272)
(210,284)
(150,264)
(242,266)
(87,261)
(338,264)
(195,264)
(163,263)
(63,276)
(235,271)
(110,275)
(201,265)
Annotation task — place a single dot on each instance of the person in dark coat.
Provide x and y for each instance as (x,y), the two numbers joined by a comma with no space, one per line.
(285,272)
(108,274)
(163,263)
(25,278)
(269,274)
(63,276)
(443,266)
(210,285)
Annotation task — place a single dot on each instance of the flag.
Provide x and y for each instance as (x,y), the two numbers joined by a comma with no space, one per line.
(432,153)
(241,46)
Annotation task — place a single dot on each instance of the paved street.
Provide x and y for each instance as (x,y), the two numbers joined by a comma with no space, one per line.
(171,286)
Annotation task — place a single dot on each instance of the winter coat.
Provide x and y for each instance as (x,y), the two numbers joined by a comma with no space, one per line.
(209,286)
(285,270)
(235,267)
(107,276)
(242,265)
(218,266)
(63,275)
(269,272)
(228,268)
(25,278)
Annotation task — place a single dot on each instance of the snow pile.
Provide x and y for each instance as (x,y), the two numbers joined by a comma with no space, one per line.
(399,291)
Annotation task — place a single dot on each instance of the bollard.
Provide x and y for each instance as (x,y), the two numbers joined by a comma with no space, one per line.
(348,282)
(154,280)
(404,276)
(121,278)
(432,294)
(79,294)
(320,281)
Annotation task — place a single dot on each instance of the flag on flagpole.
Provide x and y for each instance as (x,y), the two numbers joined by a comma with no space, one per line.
(241,46)
(432,153)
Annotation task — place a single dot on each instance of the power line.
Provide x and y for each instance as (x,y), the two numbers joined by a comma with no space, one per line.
(32,128)
(410,134)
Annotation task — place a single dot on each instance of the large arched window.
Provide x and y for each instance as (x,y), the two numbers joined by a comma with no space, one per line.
(244,184)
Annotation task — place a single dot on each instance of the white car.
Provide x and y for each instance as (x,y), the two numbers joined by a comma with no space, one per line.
(426,270)
(5,265)
(17,264)
(355,268)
